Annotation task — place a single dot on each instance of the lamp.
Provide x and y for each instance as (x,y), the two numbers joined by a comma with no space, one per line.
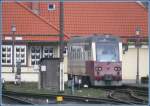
(13,30)
(138,30)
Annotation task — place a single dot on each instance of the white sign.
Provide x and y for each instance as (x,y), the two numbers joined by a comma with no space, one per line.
(8,38)
(43,68)
(18,38)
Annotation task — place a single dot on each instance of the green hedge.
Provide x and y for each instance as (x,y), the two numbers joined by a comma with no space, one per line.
(144,80)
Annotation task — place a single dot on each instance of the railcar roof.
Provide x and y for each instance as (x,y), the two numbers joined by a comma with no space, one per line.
(94,38)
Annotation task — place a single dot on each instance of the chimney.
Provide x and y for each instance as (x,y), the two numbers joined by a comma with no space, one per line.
(35,7)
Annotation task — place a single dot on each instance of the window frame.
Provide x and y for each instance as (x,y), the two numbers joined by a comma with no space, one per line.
(6,51)
(115,45)
(35,54)
(48,47)
(20,53)
(54,7)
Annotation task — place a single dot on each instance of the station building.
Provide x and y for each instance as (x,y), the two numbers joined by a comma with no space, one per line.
(37,30)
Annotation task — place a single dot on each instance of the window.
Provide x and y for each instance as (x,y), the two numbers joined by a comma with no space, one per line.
(65,50)
(6,55)
(51,6)
(48,52)
(76,52)
(20,54)
(107,52)
(35,55)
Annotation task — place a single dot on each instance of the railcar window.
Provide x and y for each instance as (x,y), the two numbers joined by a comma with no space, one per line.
(76,52)
(107,52)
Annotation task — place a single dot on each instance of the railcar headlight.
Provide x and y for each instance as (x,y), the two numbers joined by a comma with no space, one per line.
(116,68)
(99,68)
(96,69)
(119,68)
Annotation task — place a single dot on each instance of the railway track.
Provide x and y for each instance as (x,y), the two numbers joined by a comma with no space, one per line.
(126,96)
(141,93)
(78,99)
(93,100)
(136,93)
(15,100)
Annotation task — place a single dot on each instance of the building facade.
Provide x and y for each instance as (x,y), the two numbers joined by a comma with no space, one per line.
(37,32)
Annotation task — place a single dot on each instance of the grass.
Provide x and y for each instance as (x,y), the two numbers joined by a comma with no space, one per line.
(91,92)
(32,88)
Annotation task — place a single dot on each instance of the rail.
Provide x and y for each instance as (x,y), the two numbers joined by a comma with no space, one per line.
(66,97)
(127,92)
(17,99)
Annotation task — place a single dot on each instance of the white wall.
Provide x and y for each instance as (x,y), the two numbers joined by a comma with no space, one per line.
(27,74)
(25,77)
(129,64)
(65,68)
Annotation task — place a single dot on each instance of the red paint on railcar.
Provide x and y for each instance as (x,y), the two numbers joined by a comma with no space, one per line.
(98,70)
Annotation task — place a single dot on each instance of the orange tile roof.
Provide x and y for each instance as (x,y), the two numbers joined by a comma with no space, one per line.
(26,22)
(41,38)
(120,19)
(83,18)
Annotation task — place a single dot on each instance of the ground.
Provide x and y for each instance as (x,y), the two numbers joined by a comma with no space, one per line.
(32,88)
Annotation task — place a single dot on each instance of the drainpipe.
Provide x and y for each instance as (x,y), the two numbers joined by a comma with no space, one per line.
(0,50)
(149,46)
(61,40)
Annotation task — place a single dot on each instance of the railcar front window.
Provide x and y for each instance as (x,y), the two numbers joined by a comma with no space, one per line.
(107,53)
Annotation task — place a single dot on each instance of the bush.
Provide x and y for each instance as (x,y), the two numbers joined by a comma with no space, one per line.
(144,80)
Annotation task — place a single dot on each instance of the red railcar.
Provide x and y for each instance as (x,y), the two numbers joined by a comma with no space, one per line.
(96,60)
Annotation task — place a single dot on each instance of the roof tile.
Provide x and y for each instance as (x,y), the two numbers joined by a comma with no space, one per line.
(120,19)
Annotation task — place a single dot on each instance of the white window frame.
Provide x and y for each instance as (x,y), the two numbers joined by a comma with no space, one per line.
(49,47)
(6,46)
(25,54)
(36,60)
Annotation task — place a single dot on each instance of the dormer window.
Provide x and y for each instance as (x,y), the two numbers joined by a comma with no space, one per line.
(51,6)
